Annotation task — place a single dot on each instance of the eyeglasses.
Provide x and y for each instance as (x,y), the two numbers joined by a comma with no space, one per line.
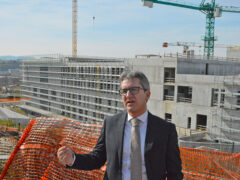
(133,90)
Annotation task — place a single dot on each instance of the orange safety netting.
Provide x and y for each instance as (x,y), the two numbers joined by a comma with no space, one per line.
(208,164)
(6,128)
(34,157)
(14,99)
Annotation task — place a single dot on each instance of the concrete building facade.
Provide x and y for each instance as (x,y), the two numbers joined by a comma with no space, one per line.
(233,52)
(192,93)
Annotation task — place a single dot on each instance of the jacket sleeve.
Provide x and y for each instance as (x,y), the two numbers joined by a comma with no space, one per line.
(96,158)
(173,162)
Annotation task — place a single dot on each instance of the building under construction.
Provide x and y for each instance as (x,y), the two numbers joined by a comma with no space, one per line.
(194,94)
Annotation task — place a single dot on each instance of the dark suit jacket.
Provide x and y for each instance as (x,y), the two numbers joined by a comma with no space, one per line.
(162,157)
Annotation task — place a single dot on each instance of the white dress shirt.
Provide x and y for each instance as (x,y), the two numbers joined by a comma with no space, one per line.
(126,160)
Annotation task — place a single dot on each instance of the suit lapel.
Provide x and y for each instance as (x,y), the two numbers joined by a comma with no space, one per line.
(149,135)
(120,134)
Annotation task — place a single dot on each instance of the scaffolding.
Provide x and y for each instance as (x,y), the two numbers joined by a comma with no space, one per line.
(84,88)
(228,112)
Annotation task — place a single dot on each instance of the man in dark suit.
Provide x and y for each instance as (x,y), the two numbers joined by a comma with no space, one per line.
(135,144)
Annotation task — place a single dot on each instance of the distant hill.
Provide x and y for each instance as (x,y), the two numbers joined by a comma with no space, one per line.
(16,58)
(13,65)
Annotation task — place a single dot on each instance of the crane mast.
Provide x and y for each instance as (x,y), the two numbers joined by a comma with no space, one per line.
(209,37)
(74,28)
(210,9)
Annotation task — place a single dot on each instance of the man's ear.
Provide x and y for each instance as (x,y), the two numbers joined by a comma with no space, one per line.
(148,94)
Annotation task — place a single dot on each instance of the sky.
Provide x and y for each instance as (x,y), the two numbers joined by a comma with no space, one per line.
(121,28)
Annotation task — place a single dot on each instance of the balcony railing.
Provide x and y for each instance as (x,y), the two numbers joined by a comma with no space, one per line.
(169,80)
(169,98)
(201,128)
(185,100)
(188,132)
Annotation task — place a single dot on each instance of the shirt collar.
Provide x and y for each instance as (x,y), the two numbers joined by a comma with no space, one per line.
(142,117)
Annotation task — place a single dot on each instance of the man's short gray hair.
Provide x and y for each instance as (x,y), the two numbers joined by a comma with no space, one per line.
(136,74)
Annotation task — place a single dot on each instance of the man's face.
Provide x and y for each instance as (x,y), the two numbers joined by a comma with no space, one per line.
(135,103)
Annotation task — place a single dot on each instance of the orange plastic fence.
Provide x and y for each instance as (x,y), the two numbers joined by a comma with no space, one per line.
(6,128)
(210,164)
(14,99)
(34,157)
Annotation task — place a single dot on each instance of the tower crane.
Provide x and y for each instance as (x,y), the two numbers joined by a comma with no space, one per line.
(186,45)
(211,9)
(74,28)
